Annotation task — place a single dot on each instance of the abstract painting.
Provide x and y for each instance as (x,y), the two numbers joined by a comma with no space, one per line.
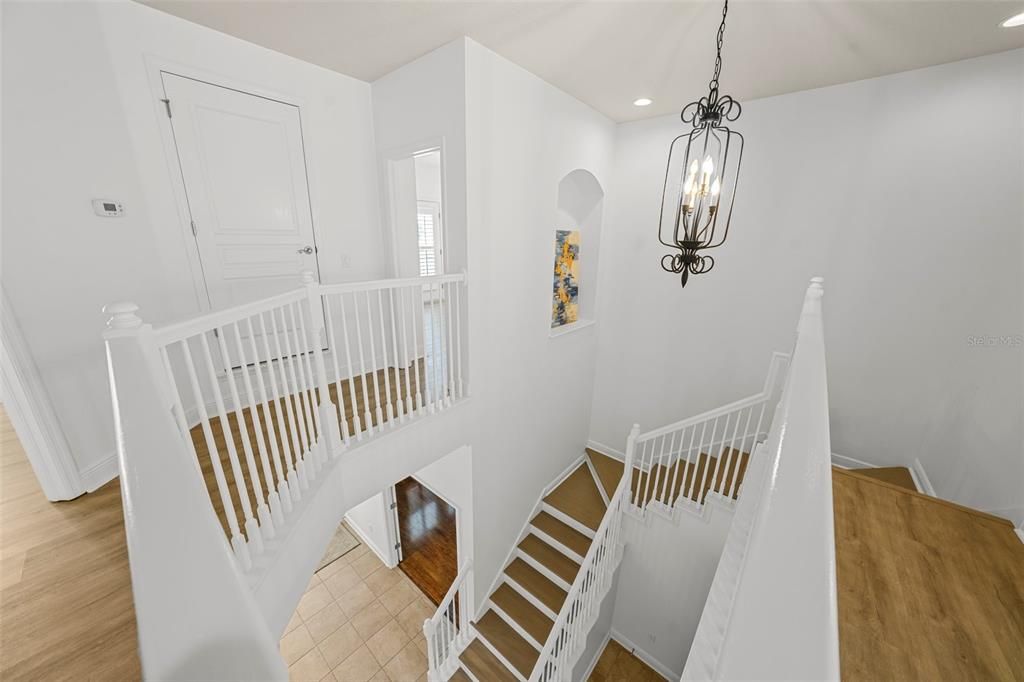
(564,304)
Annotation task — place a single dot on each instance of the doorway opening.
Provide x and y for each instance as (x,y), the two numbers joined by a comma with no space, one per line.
(427,538)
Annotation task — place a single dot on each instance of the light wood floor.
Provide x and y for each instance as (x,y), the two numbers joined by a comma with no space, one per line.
(928,590)
(65,600)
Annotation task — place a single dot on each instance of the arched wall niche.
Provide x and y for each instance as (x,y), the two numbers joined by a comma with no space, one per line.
(580,207)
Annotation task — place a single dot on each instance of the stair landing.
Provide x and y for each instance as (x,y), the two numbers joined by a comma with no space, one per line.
(928,589)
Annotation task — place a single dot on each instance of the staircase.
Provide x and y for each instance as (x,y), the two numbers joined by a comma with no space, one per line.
(521,612)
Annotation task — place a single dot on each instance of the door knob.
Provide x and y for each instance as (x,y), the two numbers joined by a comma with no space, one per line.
(308,250)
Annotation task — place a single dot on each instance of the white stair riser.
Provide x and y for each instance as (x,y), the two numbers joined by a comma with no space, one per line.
(556,544)
(568,520)
(530,598)
(497,654)
(515,626)
(546,572)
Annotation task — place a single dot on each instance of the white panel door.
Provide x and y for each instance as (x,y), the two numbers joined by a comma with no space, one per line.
(244,171)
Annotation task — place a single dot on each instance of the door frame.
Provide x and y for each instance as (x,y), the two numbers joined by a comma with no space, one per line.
(155,68)
(31,413)
(395,533)
(400,153)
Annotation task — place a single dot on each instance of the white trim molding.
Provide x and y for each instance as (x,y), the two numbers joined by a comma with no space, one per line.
(921,480)
(386,558)
(32,415)
(651,661)
(100,473)
(844,462)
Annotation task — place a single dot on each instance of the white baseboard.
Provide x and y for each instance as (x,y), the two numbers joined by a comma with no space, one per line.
(1020,533)
(921,478)
(844,462)
(100,473)
(652,662)
(597,656)
(606,449)
(370,544)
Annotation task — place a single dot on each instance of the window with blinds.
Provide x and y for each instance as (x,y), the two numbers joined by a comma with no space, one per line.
(426,230)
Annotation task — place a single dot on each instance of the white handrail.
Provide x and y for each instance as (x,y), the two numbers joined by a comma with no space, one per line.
(568,638)
(683,462)
(778,360)
(447,632)
(772,612)
(196,617)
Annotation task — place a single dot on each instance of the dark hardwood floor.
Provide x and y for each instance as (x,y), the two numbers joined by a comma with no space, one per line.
(426,524)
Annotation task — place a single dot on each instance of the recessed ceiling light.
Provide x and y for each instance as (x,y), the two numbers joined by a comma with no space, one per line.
(1015,20)
(642,102)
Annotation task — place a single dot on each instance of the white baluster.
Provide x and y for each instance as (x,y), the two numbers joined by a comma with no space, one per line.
(310,407)
(389,409)
(409,404)
(417,321)
(282,469)
(273,506)
(291,397)
(237,542)
(252,528)
(399,402)
(459,288)
(357,423)
(367,420)
(307,423)
(342,412)
(377,411)
(284,405)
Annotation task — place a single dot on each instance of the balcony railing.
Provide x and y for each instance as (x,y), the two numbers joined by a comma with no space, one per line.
(227,425)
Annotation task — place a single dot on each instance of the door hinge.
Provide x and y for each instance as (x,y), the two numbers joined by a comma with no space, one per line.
(167,106)
(394,505)
(398,546)
(193,224)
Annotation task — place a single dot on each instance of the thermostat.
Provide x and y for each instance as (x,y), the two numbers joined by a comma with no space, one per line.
(106,207)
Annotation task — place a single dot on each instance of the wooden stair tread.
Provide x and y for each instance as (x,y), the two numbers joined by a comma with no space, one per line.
(667,484)
(578,497)
(895,475)
(609,470)
(485,665)
(526,615)
(460,676)
(533,581)
(549,557)
(509,643)
(567,535)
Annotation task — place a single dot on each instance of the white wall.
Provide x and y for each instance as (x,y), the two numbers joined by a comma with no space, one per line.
(451,477)
(369,519)
(664,580)
(81,121)
(514,137)
(905,193)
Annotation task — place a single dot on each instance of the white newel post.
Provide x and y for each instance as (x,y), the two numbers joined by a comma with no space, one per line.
(328,411)
(196,616)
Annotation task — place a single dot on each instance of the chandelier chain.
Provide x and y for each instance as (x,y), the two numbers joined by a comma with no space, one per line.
(713,84)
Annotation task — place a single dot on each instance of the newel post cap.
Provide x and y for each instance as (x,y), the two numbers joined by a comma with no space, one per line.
(308,277)
(122,315)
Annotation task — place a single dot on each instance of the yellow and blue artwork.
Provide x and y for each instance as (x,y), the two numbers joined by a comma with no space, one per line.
(564,303)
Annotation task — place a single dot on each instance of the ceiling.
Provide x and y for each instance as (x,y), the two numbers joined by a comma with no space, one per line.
(608,53)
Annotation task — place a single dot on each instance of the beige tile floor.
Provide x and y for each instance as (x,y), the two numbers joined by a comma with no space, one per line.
(358,620)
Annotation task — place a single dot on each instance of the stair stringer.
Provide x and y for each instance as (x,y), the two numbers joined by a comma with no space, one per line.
(525,530)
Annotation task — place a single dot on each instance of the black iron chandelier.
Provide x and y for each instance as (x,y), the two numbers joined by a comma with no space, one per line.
(700,179)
